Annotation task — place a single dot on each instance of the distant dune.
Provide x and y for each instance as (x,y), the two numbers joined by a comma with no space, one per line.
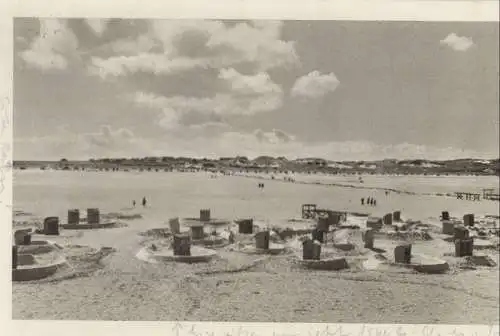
(266,163)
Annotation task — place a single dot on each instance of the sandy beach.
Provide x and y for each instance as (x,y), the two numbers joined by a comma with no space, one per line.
(113,284)
(328,167)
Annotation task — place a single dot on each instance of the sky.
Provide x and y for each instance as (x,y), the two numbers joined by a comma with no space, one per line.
(340,90)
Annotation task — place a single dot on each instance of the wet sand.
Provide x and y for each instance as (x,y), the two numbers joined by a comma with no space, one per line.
(240,287)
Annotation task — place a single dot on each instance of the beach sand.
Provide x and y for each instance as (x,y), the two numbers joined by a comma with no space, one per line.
(238,287)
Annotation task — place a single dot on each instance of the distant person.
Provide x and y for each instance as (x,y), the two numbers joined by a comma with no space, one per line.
(231,237)
(133,203)
(369,201)
(144,202)
(362,201)
(374,202)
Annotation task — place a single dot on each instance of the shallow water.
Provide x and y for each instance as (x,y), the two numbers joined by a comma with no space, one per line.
(412,183)
(52,193)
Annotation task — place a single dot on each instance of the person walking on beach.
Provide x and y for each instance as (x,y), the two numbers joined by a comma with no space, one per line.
(369,201)
(144,201)
(374,202)
(362,201)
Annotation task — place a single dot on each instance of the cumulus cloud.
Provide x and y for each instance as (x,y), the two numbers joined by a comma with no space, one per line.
(169,118)
(207,130)
(249,94)
(259,44)
(244,95)
(51,49)
(187,44)
(107,137)
(275,136)
(258,143)
(211,125)
(104,142)
(221,104)
(153,63)
(315,85)
(458,43)
(259,83)
(233,61)
(98,26)
(143,43)
(219,140)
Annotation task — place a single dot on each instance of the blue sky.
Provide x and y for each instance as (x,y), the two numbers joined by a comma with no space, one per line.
(340,90)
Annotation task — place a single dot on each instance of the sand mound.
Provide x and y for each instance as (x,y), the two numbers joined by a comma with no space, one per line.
(39,247)
(359,214)
(82,262)
(408,235)
(327,264)
(287,233)
(34,222)
(157,233)
(472,262)
(21,213)
(212,241)
(233,263)
(122,216)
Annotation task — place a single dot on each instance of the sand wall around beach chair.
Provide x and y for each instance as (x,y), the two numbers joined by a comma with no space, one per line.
(37,272)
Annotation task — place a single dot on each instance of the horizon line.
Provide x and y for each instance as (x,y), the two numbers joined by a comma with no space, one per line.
(252,158)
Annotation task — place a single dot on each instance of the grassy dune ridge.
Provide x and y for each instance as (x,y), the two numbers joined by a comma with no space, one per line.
(265,163)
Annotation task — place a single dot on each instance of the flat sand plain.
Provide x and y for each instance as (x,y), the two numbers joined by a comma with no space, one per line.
(238,287)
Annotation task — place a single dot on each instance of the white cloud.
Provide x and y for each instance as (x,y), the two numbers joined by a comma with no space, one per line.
(221,104)
(172,32)
(181,104)
(275,136)
(139,45)
(259,83)
(204,45)
(152,63)
(52,47)
(265,143)
(248,94)
(207,130)
(98,26)
(245,95)
(315,85)
(258,44)
(169,119)
(211,125)
(458,43)
(107,137)
(215,140)
(106,142)
(187,44)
